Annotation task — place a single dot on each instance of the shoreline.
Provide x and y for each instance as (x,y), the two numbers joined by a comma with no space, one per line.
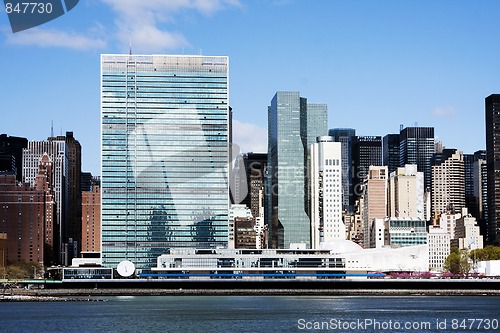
(47,295)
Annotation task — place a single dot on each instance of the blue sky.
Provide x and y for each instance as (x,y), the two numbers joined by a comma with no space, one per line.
(376,63)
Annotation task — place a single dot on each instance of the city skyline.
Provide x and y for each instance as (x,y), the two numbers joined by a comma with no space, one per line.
(376,66)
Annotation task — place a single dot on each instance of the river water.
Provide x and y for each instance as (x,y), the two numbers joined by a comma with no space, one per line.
(255,314)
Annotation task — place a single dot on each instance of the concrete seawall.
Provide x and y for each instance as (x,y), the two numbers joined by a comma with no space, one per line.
(137,287)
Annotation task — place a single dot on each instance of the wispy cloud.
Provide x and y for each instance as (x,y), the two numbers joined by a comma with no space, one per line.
(55,38)
(250,137)
(140,21)
(445,112)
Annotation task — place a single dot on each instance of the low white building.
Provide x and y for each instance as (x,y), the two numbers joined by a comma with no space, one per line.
(489,268)
(439,248)
(340,257)
(377,234)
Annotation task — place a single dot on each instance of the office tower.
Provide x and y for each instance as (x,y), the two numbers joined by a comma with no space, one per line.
(255,169)
(51,234)
(326,192)
(390,152)
(470,200)
(345,137)
(57,178)
(417,147)
(366,151)
(492,109)
(481,189)
(23,217)
(165,155)
(374,199)
(287,154)
(448,181)
(91,217)
(406,192)
(11,154)
(73,230)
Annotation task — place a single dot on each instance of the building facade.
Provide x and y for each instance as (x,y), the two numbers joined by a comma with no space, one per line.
(390,152)
(255,170)
(406,232)
(374,199)
(448,181)
(286,190)
(439,248)
(366,152)
(417,147)
(91,217)
(345,137)
(165,155)
(467,232)
(480,173)
(406,192)
(11,154)
(326,192)
(57,153)
(492,109)
(24,211)
(73,230)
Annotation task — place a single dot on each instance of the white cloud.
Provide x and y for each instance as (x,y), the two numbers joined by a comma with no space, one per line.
(148,38)
(55,38)
(139,20)
(445,112)
(250,137)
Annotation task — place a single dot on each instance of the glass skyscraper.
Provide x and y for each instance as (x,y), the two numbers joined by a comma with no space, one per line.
(292,123)
(165,155)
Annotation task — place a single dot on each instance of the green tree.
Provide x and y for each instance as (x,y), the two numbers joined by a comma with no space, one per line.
(457,262)
(21,270)
(490,252)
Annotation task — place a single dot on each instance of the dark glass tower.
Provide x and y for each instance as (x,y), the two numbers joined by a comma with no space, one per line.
(417,147)
(366,151)
(390,152)
(11,154)
(492,108)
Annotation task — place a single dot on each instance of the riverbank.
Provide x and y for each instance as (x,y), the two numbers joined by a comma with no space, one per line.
(64,294)
(36,297)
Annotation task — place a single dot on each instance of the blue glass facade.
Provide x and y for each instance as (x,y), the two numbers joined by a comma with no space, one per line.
(164,155)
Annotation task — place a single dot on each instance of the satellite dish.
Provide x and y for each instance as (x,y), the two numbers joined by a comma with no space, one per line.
(126,268)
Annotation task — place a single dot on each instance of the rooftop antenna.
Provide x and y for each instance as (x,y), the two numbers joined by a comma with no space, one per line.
(51,128)
(401,127)
(130,43)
